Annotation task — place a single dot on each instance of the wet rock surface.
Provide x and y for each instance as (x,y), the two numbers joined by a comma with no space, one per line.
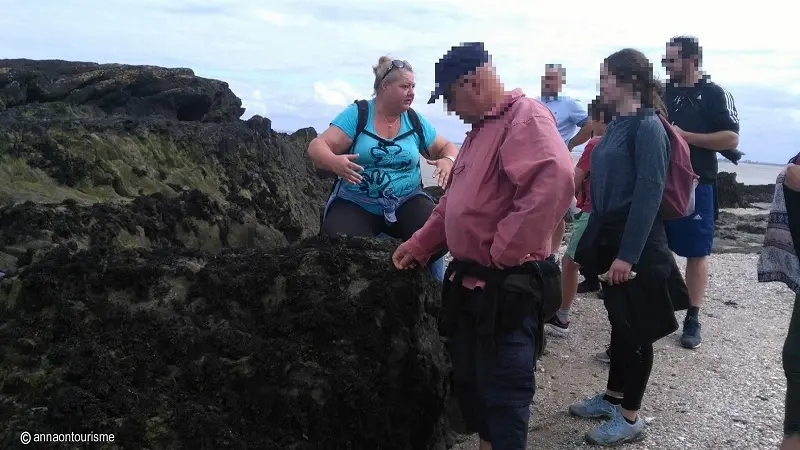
(733,194)
(165,282)
(316,345)
(127,90)
(741,230)
(79,135)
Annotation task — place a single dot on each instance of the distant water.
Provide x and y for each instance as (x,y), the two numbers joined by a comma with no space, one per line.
(747,173)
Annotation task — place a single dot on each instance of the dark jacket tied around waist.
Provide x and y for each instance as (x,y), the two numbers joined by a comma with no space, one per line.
(645,305)
(510,294)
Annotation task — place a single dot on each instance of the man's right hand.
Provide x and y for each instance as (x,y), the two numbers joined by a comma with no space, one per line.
(403,259)
(792,179)
(344,166)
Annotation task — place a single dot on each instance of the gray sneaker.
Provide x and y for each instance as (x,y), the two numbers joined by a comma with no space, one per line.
(616,431)
(690,337)
(604,356)
(593,407)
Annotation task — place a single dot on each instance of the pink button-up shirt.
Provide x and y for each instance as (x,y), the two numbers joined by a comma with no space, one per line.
(510,186)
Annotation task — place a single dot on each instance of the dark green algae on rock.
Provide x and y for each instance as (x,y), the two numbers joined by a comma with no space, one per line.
(165,283)
(317,345)
(133,143)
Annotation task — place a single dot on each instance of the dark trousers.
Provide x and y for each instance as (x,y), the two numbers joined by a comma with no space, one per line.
(589,274)
(494,387)
(791,368)
(631,360)
(348,218)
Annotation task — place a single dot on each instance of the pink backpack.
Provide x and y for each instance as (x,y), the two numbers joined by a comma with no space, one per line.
(678,199)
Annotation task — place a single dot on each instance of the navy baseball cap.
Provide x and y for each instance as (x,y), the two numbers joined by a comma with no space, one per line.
(457,62)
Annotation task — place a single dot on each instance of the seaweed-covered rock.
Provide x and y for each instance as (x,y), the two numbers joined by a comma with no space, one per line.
(733,194)
(316,345)
(118,88)
(164,281)
(102,142)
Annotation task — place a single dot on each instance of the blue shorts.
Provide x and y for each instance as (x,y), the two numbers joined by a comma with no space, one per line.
(693,236)
(494,387)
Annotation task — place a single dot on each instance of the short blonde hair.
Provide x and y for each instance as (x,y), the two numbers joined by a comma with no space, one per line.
(382,72)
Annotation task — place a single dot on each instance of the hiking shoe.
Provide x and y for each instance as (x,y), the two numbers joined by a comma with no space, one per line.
(556,326)
(588,286)
(604,356)
(616,431)
(691,333)
(593,408)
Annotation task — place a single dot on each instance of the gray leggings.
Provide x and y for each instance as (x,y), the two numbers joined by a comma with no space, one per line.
(791,367)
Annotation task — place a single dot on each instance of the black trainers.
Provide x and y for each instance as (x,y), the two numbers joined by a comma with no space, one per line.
(557,327)
(691,333)
(588,286)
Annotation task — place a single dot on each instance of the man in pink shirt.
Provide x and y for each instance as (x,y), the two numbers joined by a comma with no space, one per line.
(509,187)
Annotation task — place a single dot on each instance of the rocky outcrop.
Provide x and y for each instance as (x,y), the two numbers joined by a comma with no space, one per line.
(138,91)
(732,194)
(165,282)
(316,345)
(113,150)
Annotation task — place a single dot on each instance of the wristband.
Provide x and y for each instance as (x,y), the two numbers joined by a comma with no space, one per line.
(450,158)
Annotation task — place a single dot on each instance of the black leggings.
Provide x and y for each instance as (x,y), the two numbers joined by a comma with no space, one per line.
(348,218)
(791,368)
(631,364)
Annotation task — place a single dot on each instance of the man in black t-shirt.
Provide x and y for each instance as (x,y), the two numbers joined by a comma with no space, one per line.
(705,115)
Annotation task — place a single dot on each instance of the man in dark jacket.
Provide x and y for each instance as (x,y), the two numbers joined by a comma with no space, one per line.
(705,115)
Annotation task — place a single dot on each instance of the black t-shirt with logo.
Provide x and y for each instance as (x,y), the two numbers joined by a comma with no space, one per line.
(703,108)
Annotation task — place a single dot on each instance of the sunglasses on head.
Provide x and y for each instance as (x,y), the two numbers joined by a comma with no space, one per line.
(396,64)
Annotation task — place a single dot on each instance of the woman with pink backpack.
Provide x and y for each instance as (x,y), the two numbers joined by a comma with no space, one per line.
(639,177)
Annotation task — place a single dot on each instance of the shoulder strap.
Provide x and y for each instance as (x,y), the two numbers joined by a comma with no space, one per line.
(632,132)
(363,114)
(417,126)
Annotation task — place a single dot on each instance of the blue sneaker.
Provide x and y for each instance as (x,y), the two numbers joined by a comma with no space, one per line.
(691,333)
(616,431)
(593,408)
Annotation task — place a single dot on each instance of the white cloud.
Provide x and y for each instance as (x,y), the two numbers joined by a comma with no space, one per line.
(280,19)
(336,93)
(794,114)
(307,62)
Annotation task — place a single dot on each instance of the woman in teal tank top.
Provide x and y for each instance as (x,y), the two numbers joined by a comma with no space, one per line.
(379,186)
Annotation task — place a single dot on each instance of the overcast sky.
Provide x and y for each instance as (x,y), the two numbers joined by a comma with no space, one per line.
(300,62)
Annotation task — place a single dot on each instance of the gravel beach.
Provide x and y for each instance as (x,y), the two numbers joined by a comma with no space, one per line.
(727,394)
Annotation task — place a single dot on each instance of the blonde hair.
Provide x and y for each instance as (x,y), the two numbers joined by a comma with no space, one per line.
(382,68)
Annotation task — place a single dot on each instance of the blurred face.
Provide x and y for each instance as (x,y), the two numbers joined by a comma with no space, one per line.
(678,69)
(611,92)
(552,81)
(464,98)
(398,90)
